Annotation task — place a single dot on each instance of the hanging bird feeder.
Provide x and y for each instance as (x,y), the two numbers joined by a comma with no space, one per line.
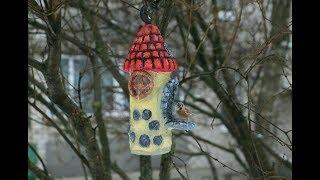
(152,88)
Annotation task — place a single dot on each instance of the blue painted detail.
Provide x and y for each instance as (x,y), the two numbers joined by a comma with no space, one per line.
(154,125)
(132,136)
(169,108)
(167,99)
(167,94)
(167,102)
(164,105)
(170,119)
(175,81)
(144,140)
(136,114)
(170,85)
(169,116)
(166,90)
(128,130)
(165,114)
(146,114)
(157,140)
(164,99)
(180,125)
(172,89)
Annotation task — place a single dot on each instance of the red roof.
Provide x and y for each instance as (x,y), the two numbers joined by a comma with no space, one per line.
(148,52)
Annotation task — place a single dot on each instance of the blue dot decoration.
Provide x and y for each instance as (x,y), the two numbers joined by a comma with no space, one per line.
(144,140)
(154,125)
(136,114)
(132,136)
(146,114)
(157,140)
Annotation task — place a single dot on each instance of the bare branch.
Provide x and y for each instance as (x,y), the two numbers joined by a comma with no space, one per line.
(38,172)
(81,157)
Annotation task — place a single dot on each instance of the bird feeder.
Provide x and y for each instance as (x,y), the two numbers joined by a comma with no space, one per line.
(152,88)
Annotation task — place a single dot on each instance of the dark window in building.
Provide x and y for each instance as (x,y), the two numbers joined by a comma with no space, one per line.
(72,65)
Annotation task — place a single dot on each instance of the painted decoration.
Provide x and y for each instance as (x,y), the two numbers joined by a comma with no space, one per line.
(152,88)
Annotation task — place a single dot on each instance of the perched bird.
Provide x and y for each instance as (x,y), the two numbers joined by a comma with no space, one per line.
(182,111)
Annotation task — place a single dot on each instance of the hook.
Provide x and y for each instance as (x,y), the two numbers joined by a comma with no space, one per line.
(148,9)
(145,14)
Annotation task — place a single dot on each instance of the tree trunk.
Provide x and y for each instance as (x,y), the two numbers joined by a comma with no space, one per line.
(57,94)
(145,168)
(97,106)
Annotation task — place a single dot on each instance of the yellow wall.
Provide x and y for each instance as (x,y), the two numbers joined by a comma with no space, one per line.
(139,127)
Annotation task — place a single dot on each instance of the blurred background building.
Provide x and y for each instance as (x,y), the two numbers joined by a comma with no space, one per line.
(62,162)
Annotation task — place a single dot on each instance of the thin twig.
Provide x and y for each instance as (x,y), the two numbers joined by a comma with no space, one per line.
(223,164)
(176,167)
(39,157)
(185,165)
(131,5)
(79,89)
(82,158)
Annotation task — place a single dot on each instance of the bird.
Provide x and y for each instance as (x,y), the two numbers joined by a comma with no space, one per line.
(182,111)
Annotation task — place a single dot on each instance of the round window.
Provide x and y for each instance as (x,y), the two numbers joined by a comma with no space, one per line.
(140,84)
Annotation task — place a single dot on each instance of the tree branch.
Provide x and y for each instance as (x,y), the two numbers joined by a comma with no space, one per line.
(38,172)
(165,166)
(145,168)
(97,107)
(81,157)
(39,157)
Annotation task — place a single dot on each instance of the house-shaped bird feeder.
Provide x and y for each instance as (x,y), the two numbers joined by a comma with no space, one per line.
(152,88)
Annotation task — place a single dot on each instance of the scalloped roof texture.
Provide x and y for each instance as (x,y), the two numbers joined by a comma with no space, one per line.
(148,52)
